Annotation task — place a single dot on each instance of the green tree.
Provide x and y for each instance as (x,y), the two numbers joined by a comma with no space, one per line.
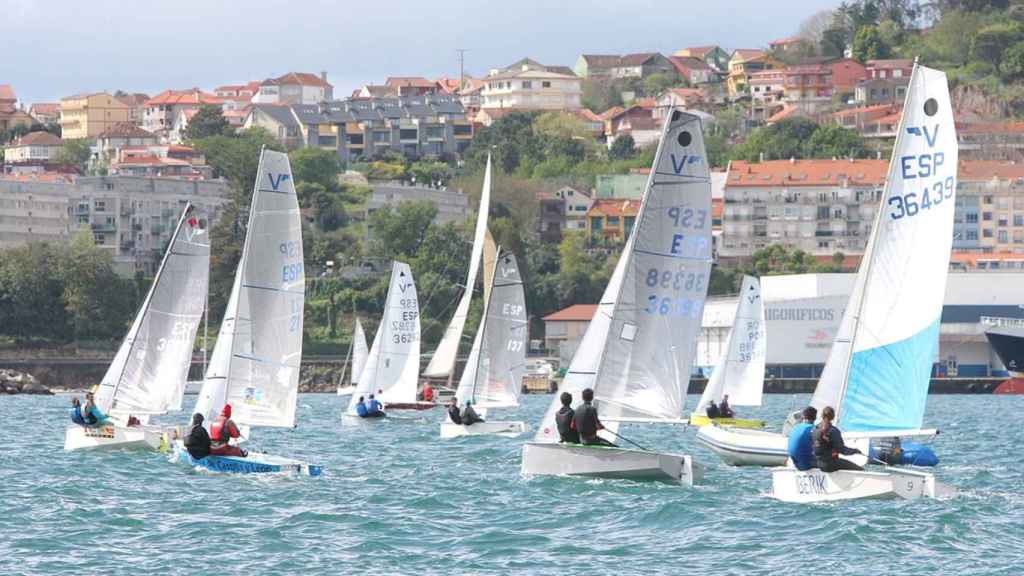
(832,141)
(398,232)
(31,293)
(991,42)
(315,165)
(75,153)
(208,121)
(97,301)
(622,148)
(383,171)
(868,44)
(655,84)
(1012,66)
(237,157)
(429,173)
(780,141)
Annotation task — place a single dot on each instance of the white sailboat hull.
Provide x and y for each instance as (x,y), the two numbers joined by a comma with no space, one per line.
(792,485)
(509,429)
(745,447)
(542,459)
(111,437)
(346,390)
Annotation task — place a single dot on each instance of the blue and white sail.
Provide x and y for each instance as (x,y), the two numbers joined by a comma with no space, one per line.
(638,350)
(255,362)
(740,374)
(879,368)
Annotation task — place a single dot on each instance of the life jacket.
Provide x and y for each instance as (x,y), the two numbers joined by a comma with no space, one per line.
(563,420)
(586,421)
(220,431)
(76,415)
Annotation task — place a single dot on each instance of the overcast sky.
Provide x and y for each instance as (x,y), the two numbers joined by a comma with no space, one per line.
(54,48)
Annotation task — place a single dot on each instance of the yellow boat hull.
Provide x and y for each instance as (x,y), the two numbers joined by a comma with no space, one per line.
(702,420)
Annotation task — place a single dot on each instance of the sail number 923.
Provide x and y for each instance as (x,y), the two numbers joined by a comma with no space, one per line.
(909,205)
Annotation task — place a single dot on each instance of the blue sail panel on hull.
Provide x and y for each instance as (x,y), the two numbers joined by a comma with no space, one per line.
(872,402)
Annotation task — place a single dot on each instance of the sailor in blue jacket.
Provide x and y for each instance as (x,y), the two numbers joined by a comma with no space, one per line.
(91,413)
(801,445)
(374,408)
(361,408)
(76,412)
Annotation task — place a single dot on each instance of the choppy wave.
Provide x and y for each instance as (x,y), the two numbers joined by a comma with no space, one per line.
(395,499)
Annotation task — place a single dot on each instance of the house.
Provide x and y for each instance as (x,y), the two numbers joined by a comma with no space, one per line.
(563,330)
(551,219)
(240,92)
(278,120)
(611,219)
(575,205)
(34,147)
(471,95)
(638,121)
(742,64)
(639,65)
(878,121)
(123,135)
(788,111)
(45,112)
(529,85)
(991,140)
(714,56)
(886,82)
(162,110)
(767,89)
(593,122)
(622,186)
(410,86)
(678,97)
(136,104)
(846,73)
(786,45)
(693,70)
(89,115)
(808,86)
(295,88)
(176,135)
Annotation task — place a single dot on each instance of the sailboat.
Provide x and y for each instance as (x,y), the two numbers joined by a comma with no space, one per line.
(149,371)
(494,372)
(442,363)
(637,351)
(358,352)
(740,375)
(391,368)
(255,362)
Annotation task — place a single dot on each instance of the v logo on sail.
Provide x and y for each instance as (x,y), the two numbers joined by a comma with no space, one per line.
(275,183)
(929,136)
(686,159)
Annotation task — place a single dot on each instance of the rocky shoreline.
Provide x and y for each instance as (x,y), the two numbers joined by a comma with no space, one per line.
(14,382)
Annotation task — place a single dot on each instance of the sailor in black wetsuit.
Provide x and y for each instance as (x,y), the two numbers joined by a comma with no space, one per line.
(712,410)
(724,410)
(828,445)
(564,420)
(587,422)
(469,415)
(197,441)
(453,411)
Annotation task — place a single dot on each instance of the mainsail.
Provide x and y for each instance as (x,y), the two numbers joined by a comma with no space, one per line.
(494,372)
(740,374)
(443,361)
(150,369)
(255,362)
(392,366)
(879,368)
(637,351)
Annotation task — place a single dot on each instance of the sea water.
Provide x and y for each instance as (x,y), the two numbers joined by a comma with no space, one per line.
(396,499)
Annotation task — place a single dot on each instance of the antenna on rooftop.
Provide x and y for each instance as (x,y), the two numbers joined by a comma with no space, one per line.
(462,67)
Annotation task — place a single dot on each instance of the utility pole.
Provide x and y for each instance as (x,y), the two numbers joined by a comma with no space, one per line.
(462,67)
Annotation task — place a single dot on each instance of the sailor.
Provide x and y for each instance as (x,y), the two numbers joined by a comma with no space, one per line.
(374,408)
(221,433)
(469,415)
(712,410)
(361,408)
(453,411)
(587,422)
(564,420)
(801,446)
(197,441)
(724,411)
(428,392)
(76,411)
(828,445)
(91,413)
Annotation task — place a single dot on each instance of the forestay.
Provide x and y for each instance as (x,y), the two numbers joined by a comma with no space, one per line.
(740,374)
(149,372)
(393,364)
(637,351)
(493,374)
(255,362)
(443,361)
(878,371)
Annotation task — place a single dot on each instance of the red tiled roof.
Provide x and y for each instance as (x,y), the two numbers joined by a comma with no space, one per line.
(784,113)
(794,173)
(867,110)
(45,108)
(126,130)
(449,85)
(588,115)
(990,127)
(303,79)
(611,112)
(153,161)
(574,313)
(972,258)
(980,170)
(7,93)
(684,64)
(747,53)
(408,81)
(717,206)
(616,207)
(40,138)
(645,103)
(183,97)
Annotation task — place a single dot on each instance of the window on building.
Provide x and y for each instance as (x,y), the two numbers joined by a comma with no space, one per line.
(986,199)
(986,233)
(1003,237)
(355,139)
(972,234)
(986,216)
(101,205)
(462,129)
(545,84)
(971,217)
(527,85)
(1018,237)
(596,223)
(613,221)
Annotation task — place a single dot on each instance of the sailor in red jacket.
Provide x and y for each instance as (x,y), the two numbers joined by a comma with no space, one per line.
(221,433)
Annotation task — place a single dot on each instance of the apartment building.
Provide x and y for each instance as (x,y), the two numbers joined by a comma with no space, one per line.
(529,85)
(89,115)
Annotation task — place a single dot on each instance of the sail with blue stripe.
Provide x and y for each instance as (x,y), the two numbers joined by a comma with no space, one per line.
(878,371)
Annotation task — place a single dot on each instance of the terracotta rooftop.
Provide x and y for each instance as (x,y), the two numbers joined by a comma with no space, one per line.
(616,207)
(152,161)
(45,108)
(408,81)
(7,93)
(40,138)
(126,130)
(880,108)
(785,41)
(574,313)
(682,63)
(301,78)
(747,53)
(975,170)
(183,97)
(792,173)
(990,127)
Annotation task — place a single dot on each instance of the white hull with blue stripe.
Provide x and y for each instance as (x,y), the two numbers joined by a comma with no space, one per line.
(251,463)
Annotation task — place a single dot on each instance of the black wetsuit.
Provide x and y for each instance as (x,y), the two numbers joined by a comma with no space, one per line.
(470,417)
(828,445)
(453,414)
(197,442)
(712,411)
(587,424)
(563,419)
(724,411)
